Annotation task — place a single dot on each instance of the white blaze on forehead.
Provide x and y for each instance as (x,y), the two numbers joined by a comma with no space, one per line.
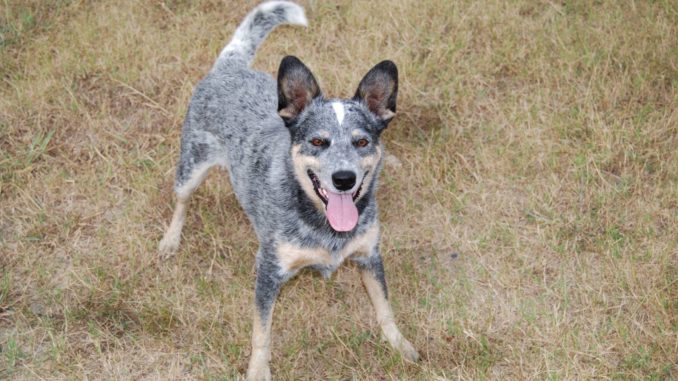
(339,111)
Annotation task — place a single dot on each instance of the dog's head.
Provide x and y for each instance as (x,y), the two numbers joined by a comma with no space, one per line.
(335,143)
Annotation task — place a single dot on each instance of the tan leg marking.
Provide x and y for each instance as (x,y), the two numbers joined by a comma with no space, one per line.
(261,348)
(197,177)
(385,317)
(170,241)
(301,164)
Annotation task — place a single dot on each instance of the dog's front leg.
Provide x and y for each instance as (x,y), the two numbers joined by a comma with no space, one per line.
(267,287)
(372,271)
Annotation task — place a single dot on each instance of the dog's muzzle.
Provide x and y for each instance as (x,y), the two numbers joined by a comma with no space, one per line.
(340,208)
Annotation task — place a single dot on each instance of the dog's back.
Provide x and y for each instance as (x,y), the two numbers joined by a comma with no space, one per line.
(231,119)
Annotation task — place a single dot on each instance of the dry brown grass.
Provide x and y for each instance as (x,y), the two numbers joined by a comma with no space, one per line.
(530,232)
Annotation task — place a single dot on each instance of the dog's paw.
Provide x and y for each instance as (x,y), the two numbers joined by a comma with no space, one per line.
(408,352)
(259,373)
(168,247)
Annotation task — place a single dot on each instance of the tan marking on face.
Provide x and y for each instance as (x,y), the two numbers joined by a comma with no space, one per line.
(324,134)
(369,163)
(301,164)
(292,257)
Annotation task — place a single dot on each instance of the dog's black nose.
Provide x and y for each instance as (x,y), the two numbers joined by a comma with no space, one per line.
(343,180)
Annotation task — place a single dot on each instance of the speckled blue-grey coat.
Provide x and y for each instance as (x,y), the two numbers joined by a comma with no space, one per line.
(303,167)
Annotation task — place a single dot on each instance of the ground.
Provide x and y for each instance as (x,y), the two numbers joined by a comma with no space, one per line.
(529,214)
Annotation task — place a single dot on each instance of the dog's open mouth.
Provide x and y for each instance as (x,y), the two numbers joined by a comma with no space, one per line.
(340,208)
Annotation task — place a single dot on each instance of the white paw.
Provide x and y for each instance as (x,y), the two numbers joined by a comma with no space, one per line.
(168,246)
(259,373)
(408,352)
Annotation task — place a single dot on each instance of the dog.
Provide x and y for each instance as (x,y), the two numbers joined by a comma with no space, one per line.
(303,167)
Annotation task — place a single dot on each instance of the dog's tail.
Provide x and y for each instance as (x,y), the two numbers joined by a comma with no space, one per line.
(256,26)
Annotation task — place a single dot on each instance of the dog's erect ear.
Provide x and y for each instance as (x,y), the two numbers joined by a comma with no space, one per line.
(379,90)
(296,88)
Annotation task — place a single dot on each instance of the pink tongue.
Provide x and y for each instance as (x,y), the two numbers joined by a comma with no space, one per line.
(341,212)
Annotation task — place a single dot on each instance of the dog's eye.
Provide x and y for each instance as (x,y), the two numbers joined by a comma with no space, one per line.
(362,143)
(318,142)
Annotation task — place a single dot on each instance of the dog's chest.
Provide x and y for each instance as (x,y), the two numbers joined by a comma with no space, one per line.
(293,257)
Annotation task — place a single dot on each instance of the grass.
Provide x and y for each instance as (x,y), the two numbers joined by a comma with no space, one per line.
(529,229)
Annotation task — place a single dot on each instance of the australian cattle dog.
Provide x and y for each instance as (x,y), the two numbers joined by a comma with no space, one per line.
(304,168)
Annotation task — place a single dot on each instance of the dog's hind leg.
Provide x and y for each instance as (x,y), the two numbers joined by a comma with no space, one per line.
(189,177)
(372,271)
